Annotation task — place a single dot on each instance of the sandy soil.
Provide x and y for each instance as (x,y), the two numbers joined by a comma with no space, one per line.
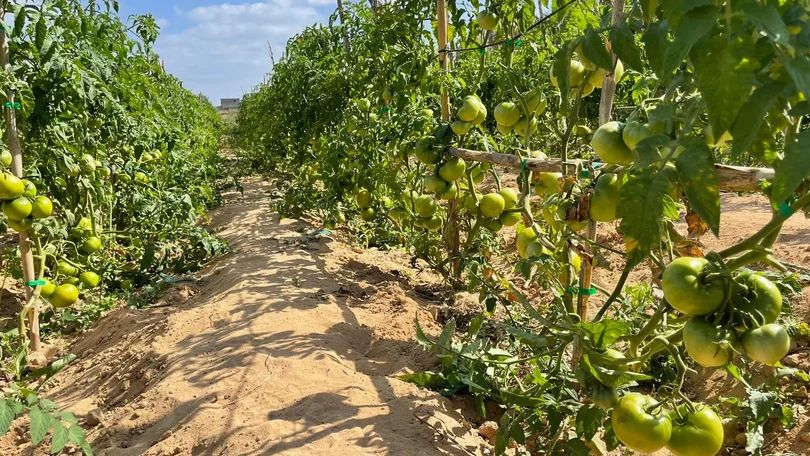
(289,347)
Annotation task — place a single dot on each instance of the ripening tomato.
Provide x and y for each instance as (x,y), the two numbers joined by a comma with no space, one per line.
(708,345)
(640,430)
(767,344)
(695,434)
(687,292)
(89,279)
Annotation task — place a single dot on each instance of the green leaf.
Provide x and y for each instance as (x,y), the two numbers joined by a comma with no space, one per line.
(431,380)
(77,435)
(421,338)
(767,19)
(7,416)
(521,399)
(20,14)
(612,377)
(560,69)
(60,438)
(576,447)
(531,339)
(655,45)
(480,405)
(649,7)
(611,441)
(688,5)
(52,369)
(641,207)
(624,46)
(699,180)
(605,332)
(725,87)
(751,116)
(40,32)
(476,324)
(799,70)
(593,46)
(761,403)
(41,422)
(695,25)
(589,421)
(793,169)
(446,338)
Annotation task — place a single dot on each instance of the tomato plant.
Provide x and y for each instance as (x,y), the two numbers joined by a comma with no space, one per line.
(697,84)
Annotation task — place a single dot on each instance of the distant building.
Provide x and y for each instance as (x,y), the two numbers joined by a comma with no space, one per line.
(229,103)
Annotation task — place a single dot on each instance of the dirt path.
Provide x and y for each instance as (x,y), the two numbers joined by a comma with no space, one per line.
(287,348)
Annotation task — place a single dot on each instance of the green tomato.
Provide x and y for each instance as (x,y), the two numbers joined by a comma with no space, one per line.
(604,397)
(10,186)
(91,244)
(368,214)
(689,293)
(510,198)
(42,207)
(398,214)
(695,434)
(609,146)
(510,218)
(425,206)
(47,290)
(126,284)
(642,431)
(461,127)
(89,279)
(364,199)
(64,295)
(18,208)
(605,198)
(524,238)
(488,20)
(507,114)
(492,205)
(767,344)
(634,133)
(707,345)
(760,299)
(21,226)
(452,169)
(30,189)
(5,158)
(427,151)
(547,183)
(470,106)
(65,268)
(432,223)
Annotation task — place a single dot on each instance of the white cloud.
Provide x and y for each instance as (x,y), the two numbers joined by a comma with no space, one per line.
(223,53)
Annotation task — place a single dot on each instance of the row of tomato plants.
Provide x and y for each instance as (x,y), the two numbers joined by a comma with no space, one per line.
(120,161)
(367,142)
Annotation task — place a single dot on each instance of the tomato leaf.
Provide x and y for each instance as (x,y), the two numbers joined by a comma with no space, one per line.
(699,180)
(576,447)
(446,337)
(78,437)
(421,338)
(695,25)
(724,86)
(51,369)
(767,19)
(799,70)
(594,49)
(521,399)
(755,438)
(560,69)
(605,332)
(7,416)
(655,45)
(688,5)
(588,421)
(60,438)
(41,422)
(427,379)
(529,338)
(612,377)
(751,116)
(641,207)
(624,46)
(761,403)
(793,169)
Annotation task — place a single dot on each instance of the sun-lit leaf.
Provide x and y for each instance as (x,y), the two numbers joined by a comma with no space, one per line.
(767,19)
(593,46)
(41,422)
(7,416)
(588,421)
(605,332)
(795,167)
(695,25)
(612,377)
(655,46)
(751,116)
(624,46)
(60,438)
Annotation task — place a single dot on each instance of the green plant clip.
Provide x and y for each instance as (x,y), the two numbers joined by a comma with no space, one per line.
(11,105)
(585,173)
(34,283)
(384,110)
(587,291)
(482,50)
(523,165)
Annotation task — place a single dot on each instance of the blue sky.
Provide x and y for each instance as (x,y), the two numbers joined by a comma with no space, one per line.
(220,47)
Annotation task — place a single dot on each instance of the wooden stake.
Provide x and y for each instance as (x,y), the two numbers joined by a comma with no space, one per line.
(605,110)
(441,7)
(17,169)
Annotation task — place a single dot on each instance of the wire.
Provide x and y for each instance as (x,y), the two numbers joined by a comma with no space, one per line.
(514,39)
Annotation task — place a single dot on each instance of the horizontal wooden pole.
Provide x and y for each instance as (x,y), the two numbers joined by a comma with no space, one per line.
(730,178)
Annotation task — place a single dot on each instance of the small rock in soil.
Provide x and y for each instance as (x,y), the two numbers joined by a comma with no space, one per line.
(800,392)
(488,431)
(806,437)
(94,417)
(741,439)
